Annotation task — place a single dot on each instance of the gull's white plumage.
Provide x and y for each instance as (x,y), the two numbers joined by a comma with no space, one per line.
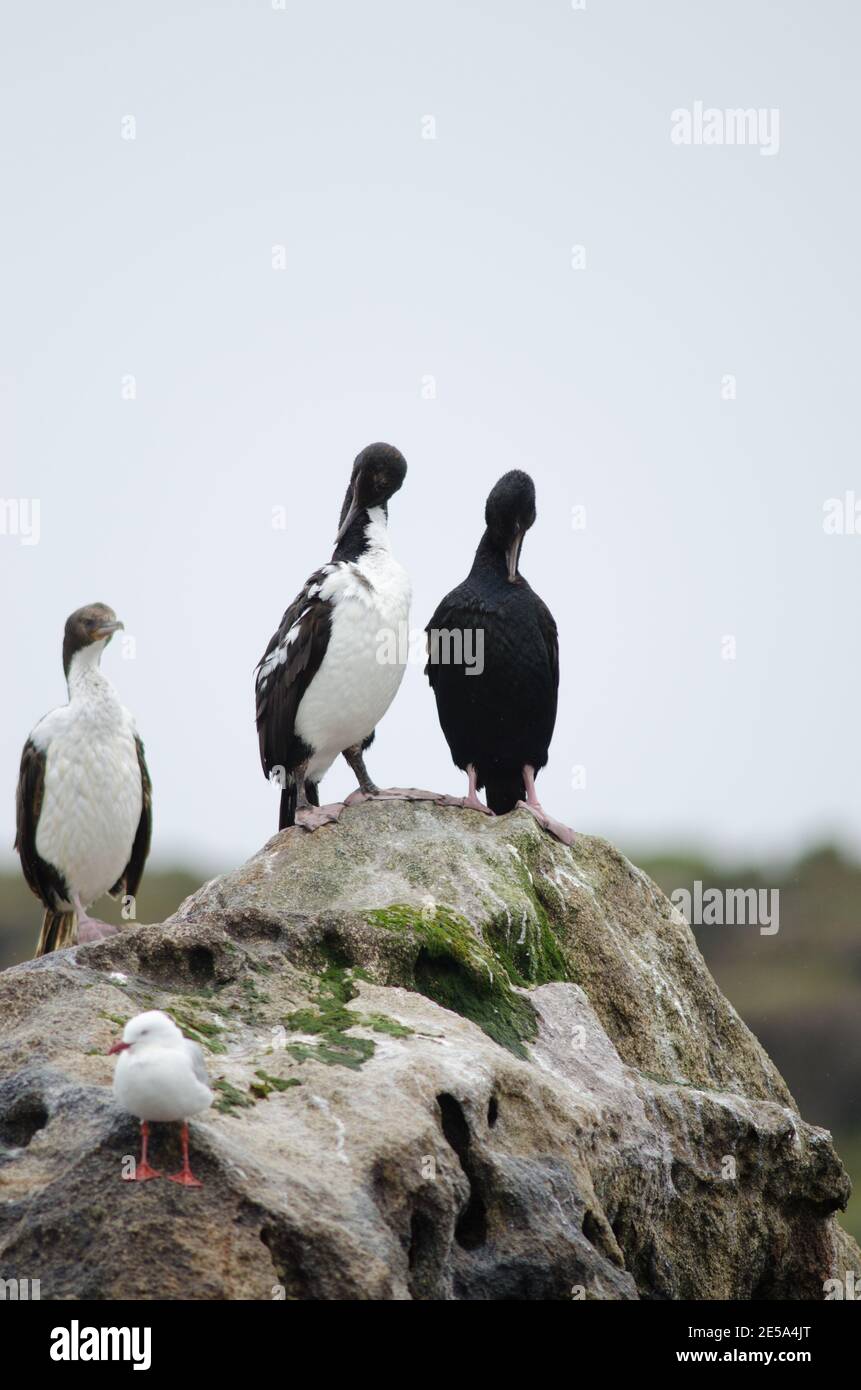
(160,1075)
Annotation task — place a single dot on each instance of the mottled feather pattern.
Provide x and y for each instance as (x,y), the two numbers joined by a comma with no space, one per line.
(288,664)
(320,686)
(129,883)
(43,879)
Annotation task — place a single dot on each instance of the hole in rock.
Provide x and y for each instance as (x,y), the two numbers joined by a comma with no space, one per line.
(421,1239)
(470,1229)
(492,1111)
(24,1118)
(454,1125)
(471,1226)
(201,965)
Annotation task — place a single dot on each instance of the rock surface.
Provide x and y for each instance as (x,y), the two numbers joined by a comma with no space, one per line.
(454,1059)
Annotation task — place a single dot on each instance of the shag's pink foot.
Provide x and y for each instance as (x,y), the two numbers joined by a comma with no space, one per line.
(358,796)
(91,930)
(553,827)
(313,817)
(185,1178)
(471,801)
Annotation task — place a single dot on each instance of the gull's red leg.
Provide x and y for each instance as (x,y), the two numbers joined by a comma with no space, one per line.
(142,1169)
(185,1175)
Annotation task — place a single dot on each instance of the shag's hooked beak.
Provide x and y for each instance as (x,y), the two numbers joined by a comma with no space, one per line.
(107,630)
(117,1047)
(348,519)
(512,555)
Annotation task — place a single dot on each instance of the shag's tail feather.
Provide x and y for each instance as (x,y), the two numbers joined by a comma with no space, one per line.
(504,790)
(289,796)
(59,929)
(290,801)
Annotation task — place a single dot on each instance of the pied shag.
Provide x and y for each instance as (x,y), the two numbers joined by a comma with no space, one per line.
(325,681)
(84,802)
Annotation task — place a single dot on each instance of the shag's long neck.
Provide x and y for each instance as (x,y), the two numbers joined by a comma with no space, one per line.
(84,678)
(490,557)
(369,532)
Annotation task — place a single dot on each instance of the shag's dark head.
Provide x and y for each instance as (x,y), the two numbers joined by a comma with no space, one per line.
(378,472)
(94,623)
(509,513)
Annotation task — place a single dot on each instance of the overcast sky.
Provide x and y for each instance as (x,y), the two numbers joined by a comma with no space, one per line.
(166,386)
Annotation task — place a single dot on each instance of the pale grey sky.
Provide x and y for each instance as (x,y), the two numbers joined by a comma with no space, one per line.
(407,258)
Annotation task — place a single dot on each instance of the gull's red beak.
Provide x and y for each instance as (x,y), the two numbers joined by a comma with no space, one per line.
(117,1047)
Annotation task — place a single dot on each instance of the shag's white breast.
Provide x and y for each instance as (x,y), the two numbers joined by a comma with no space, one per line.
(353,688)
(93,796)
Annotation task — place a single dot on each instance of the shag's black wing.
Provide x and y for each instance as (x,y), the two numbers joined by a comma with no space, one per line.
(550,633)
(285,671)
(506,712)
(46,882)
(129,882)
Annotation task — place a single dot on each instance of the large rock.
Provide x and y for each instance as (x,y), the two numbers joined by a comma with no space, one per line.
(453,1058)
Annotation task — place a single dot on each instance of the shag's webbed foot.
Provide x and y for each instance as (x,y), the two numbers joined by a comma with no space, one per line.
(553,827)
(358,796)
(472,801)
(90,930)
(313,817)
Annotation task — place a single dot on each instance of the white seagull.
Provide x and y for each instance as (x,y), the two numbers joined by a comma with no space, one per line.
(160,1075)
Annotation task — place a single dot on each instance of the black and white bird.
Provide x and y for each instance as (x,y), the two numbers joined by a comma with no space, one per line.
(84,802)
(498,709)
(324,681)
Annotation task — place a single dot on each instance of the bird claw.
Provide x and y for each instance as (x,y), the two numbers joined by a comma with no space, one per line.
(472,803)
(185,1179)
(359,795)
(313,817)
(142,1173)
(553,827)
(92,930)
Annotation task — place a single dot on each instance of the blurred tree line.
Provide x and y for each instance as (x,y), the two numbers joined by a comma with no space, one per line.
(797,990)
